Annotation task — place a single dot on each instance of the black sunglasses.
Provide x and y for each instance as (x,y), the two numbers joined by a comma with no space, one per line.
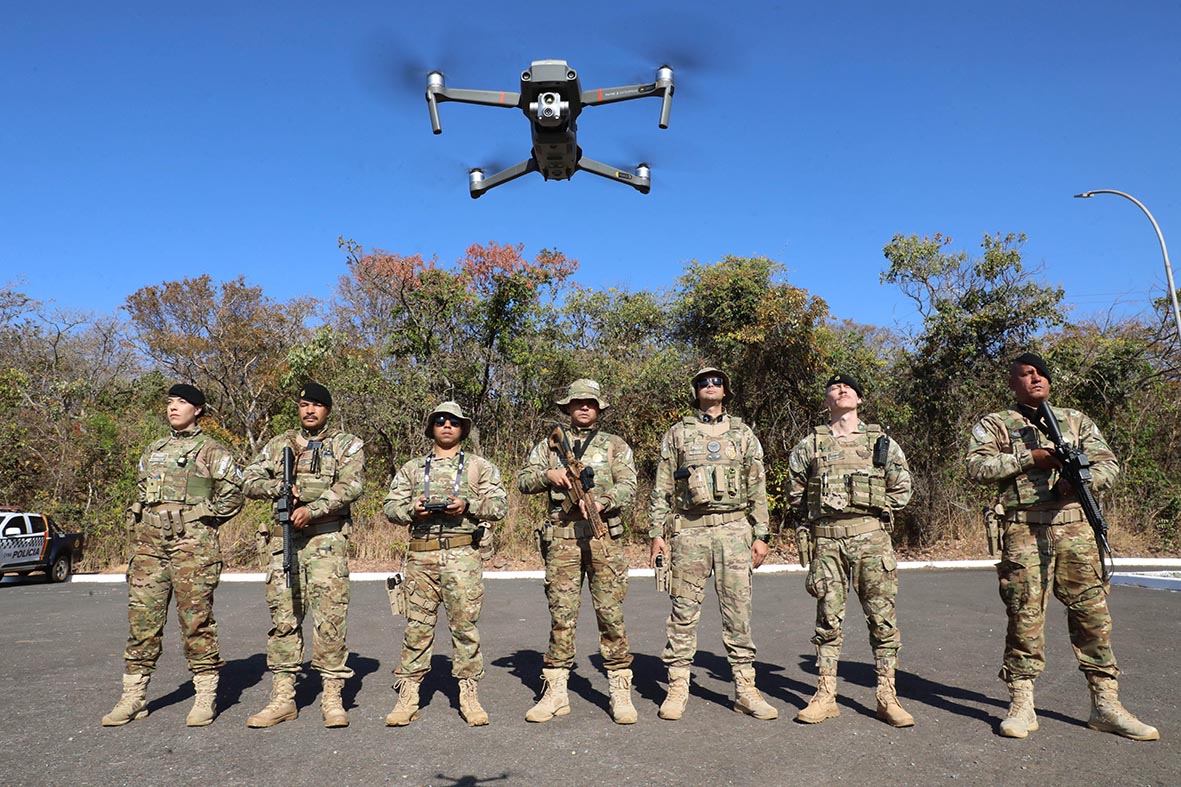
(447,419)
(702,382)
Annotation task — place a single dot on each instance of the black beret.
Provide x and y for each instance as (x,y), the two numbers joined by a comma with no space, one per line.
(1036,361)
(189,393)
(314,392)
(847,380)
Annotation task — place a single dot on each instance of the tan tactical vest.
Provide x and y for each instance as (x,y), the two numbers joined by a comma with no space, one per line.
(1034,486)
(313,477)
(716,469)
(174,476)
(442,487)
(843,479)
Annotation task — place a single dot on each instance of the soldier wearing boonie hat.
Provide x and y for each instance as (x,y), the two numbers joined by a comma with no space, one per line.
(709,502)
(188,485)
(448,499)
(570,549)
(329,477)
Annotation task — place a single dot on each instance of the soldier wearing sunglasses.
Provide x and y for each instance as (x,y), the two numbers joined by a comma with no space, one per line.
(709,516)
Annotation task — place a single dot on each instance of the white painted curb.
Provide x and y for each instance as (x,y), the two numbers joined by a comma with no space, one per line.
(777,568)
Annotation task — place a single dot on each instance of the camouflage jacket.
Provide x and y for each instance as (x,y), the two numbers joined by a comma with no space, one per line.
(191,469)
(824,457)
(999,453)
(691,443)
(481,486)
(329,470)
(610,457)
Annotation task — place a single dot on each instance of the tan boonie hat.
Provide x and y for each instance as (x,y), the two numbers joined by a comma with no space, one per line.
(709,371)
(583,388)
(448,408)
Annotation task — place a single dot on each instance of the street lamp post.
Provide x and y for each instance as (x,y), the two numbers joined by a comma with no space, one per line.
(1159,236)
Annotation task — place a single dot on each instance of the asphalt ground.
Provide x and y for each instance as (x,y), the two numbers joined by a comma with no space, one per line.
(62,646)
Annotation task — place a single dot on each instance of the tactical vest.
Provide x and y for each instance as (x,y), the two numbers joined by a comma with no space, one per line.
(315,467)
(843,479)
(712,475)
(442,487)
(598,456)
(1034,486)
(175,476)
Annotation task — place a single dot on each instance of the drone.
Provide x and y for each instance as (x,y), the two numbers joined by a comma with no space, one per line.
(552,97)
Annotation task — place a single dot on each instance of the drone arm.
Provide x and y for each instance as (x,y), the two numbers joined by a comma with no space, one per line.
(479,184)
(610,95)
(488,98)
(640,183)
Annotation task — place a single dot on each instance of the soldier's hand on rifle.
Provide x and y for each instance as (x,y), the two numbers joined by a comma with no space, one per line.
(658,548)
(1045,460)
(457,505)
(558,478)
(758,552)
(585,513)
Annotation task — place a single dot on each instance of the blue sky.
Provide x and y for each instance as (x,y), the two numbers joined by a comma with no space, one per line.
(143,142)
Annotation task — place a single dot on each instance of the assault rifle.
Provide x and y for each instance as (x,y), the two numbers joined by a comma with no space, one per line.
(582,480)
(1076,469)
(283,509)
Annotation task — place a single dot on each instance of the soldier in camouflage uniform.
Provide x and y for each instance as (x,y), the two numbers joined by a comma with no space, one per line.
(845,480)
(443,559)
(329,475)
(1048,546)
(188,485)
(710,502)
(571,551)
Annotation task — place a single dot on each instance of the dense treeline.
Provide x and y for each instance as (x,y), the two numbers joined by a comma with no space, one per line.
(80,395)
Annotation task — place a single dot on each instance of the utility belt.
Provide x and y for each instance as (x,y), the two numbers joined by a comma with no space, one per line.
(683,521)
(332,524)
(169,518)
(445,542)
(1052,516)
(856,526)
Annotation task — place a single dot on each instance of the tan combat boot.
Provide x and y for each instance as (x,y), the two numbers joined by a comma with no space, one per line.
(1108,715)
(133,704)
(673,706)
(622,710)
(406,710)
(889,710)
(747,698)
(554,700)
(205,703)
(331,705)
(1021,719)
(469,703)
(282,704)
(823,704)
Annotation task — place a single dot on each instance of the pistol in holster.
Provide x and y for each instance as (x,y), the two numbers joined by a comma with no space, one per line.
(395,588)
(804,544)
(993,517)
(662,579)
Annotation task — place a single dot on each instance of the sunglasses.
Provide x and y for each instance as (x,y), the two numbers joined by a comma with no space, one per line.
(447,419)
(705,382)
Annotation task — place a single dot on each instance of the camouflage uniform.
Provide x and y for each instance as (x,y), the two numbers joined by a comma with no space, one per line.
(1048,546)
(711,519)
(188,485)
(848,533)
(436,572)
(329,475)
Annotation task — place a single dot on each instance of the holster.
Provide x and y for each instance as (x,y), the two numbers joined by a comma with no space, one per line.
(804,545)
(993,518)
(662,576)
(395,588)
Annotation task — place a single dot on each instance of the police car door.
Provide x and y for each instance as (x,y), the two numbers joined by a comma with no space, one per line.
(19,546)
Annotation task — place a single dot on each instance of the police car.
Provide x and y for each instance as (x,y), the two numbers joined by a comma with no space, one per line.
(34,542)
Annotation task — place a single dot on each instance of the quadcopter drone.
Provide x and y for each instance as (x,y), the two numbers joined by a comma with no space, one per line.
(551,97)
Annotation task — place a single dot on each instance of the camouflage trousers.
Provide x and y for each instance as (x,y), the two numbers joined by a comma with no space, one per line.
(869,560)
(320,585)
(1036,560)
(455,578)
(697,552)
(163,565)
(567,561)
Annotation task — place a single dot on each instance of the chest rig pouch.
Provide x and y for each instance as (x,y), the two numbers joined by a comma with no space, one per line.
(173,474)
(712,474)
(315,468)
(848,479)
